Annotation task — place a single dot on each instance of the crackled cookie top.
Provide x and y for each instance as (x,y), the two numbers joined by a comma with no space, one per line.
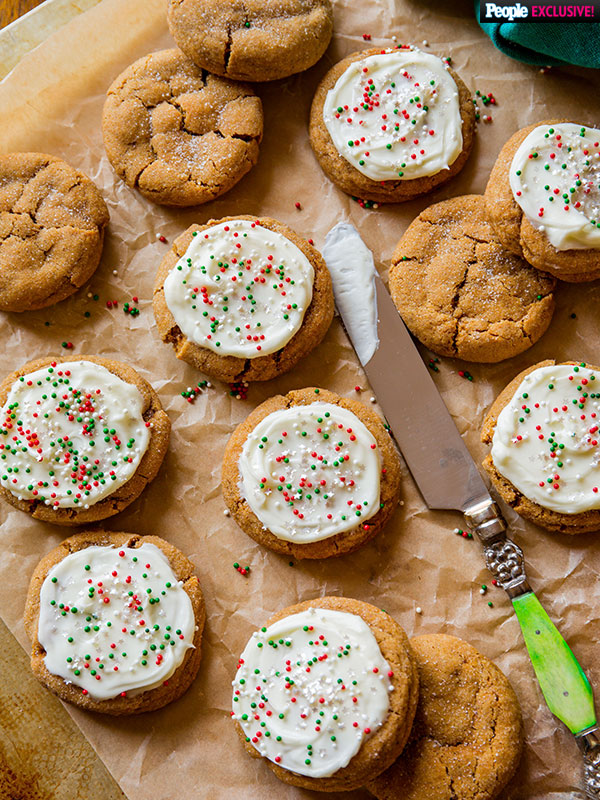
(70,435)
(310,689)
(546,439)
(114,621)
(395,115)
(555,179)
(240,289)
(309,472)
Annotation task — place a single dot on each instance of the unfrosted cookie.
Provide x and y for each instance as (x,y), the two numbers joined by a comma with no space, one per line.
(326,693)
(543,429)
(460,292)
(390,125)
(52,221)
(80,438)
(177,133)
(467,736)
(242,298)
(257,40)
(311,474)
(543,198)
(115,621)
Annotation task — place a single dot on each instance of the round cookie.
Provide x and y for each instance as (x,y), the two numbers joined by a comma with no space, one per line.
(320,732)
(369,146)
(467,736)
(543,462)
(95,646)
(353,467)
(460,292)
(252,299)
(179,135)
(258,40)
(80,438)
(52,221)
(546,222)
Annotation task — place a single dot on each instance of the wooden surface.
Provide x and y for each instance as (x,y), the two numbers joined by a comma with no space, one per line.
(10,10)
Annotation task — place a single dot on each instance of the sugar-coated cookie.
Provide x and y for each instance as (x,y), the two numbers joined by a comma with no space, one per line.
(80,438)
(467,736)
(52,222)
(543,198)
(115,621)
(178,134)
(460,292)
(543,429)
(326,693)
(311,474)
(242,298)
(390,125)
(257,40)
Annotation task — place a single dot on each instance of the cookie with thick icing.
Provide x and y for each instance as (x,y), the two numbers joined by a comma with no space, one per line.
(543,198)
(467,736)
(52,222)
(115,621)
(178,134)
(80,438)
(460,292)
(326,693)
(242,298)
(543,429)
(258,40)
(390,125)
(311,474)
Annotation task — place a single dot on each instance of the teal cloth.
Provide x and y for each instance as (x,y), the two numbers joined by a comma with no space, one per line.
(546,43)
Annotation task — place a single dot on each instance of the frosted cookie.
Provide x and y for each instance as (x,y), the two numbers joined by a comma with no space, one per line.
(467,737)
(80,438)
(179,135)
(460,292)
(115,622)
(543,198)
(258,40)
(52,222)
(390,125)
(545,456)
(311,474)
(326,693)
(242,298)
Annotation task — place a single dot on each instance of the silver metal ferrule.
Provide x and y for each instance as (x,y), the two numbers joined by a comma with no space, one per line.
(503,557)
(589,744)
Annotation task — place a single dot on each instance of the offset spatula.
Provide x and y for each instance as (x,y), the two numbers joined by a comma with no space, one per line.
(448,479)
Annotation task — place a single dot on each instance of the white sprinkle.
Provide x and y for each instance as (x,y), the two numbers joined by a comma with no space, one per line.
(425,43)
(373,400)
(419,610)
(115,272)
(226,513)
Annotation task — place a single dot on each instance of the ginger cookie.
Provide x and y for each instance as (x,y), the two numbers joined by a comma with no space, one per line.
(52,221)
(326,693)
(257,40)
(80,438)
(242,298)
(460,292)
(178,134)
(543,429)
(115,622)
(311,475)
(390,125)
(467,737)
(543,198)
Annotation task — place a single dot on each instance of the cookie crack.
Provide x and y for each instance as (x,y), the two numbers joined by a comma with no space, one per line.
(228,46)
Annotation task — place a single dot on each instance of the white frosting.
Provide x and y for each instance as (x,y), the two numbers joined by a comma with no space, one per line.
(350,263)
(240,289)
(310,689)
(395,115)
(310,472)
(555,179)
(546,439)
(70,435)
(114,620)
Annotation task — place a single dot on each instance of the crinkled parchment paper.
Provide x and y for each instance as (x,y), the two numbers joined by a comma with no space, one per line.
(52,102)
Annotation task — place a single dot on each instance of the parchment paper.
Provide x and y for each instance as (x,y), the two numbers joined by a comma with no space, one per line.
(52,102)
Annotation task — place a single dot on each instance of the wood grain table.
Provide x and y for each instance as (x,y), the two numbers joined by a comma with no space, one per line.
(10,10)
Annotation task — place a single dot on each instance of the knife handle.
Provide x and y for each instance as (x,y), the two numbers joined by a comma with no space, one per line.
(589,743)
